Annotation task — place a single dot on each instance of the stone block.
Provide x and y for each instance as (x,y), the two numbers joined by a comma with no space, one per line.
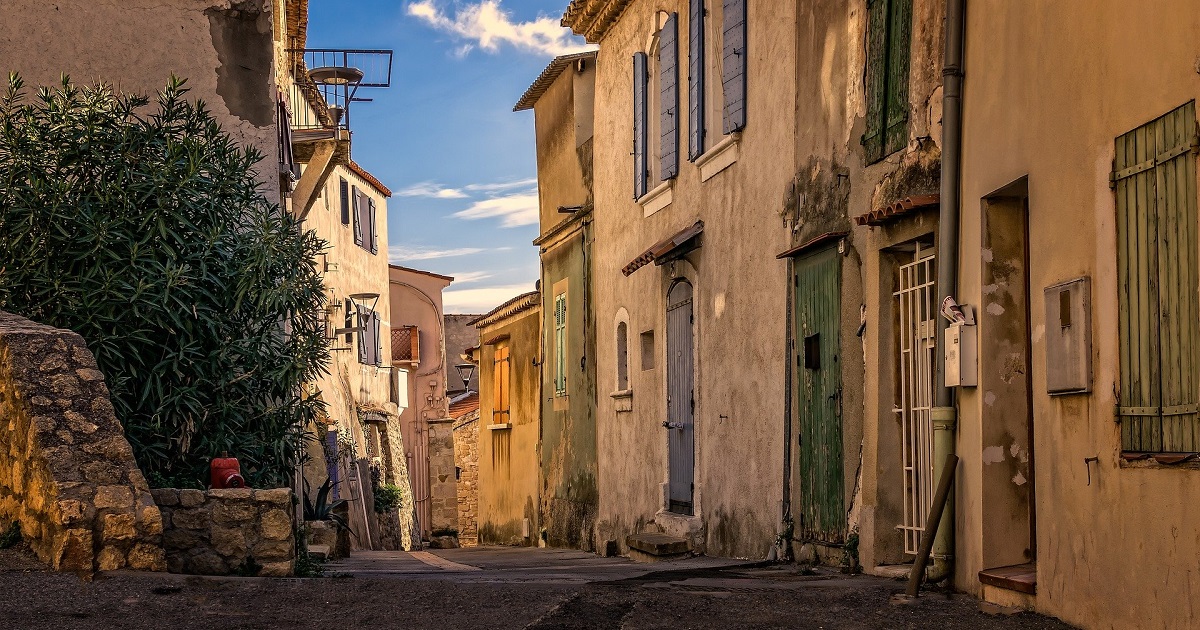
(195,519)
(165,496)
(231,494)
(205,563)
(72,550)
(278,569)
(113,497)
(73,513)
(273,550)
(234,513)
(183,540)
(88,374)
(278,497)
(102,473)
(276,525)
(146,557)
(191,498)
(150,520)
(110,559)
(118,527)
(228,542)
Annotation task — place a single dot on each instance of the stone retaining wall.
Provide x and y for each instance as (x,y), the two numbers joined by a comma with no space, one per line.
(466,456)
(67,473)
(228,532)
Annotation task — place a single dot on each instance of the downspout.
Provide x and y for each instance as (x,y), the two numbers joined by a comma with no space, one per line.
(943,414)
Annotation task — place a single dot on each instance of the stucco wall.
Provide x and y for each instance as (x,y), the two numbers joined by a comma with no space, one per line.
(224,48)
(350,386)
(416,299)
(67,474)
(508,457)
(1121,552)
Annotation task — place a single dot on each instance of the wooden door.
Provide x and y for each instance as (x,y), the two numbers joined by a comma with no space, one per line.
(681,404)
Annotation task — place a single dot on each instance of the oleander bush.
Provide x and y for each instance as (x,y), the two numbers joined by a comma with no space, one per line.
(139,223)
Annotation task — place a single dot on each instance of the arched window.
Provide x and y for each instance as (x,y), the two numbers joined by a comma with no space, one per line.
(622,356)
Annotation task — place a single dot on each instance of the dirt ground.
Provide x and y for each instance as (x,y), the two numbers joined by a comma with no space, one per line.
(697,598)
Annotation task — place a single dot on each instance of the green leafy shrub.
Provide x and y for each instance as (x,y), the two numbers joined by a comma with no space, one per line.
(143,228)
(387,497)
(11,536)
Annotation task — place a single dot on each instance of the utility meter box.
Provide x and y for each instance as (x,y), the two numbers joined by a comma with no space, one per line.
(962,355)
(1069,337)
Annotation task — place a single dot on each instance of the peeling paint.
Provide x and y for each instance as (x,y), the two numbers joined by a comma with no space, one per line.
(989,398)
(990,288)
(986,255)
(995,309)
(993,455)
(719,305)
(1019,479)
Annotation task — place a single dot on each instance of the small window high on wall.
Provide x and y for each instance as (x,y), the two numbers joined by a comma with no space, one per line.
(622,356)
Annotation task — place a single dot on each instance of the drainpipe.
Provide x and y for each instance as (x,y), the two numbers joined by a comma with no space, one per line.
(944,415)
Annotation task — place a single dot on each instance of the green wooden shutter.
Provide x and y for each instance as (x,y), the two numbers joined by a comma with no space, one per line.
(876,73)
(899,38)
(1159,309)
(560,344)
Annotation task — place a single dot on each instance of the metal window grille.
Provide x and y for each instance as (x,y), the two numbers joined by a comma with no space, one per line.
(915,302)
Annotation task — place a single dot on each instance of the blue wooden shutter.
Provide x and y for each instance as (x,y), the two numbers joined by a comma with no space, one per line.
(876,73)
(344,188)
(899,37)
(358,228)
(349,321)
(377,338)
(371,226)
(364,324)
(640,157)
(733,62)
(696,68)
(668,63)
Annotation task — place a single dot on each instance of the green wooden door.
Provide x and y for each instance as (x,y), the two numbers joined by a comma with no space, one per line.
(818,397)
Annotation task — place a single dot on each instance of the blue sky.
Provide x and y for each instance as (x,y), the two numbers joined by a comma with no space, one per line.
(444,138)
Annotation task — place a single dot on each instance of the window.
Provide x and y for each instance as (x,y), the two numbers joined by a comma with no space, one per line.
(656,107)
(622,356)
(560,344)
(1157,273)
(889,28)
(349,320)
(648,350)
(370,352)
(500,385)
(344,189)
(355,200)
(733,64)
(364,221)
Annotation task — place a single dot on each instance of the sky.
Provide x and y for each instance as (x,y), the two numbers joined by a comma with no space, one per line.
(460,163)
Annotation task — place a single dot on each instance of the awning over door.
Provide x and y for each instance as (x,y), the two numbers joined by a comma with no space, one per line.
(898,209)
(812,244)
(668,249)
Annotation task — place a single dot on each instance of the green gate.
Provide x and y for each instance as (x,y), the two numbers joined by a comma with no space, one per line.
(819,396)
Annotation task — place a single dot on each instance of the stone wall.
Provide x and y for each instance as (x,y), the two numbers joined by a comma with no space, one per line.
(443,493)
(466,458)
(232,531)
(67,473)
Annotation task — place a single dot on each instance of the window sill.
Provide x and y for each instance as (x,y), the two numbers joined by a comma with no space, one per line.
(623,400)
(500,427)
(721,156)
(1149,462)
(658,198)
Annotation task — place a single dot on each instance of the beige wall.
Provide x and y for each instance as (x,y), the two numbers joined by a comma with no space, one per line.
(740,299)
(1120,553)
(508,456)
(416,299)
(222,47)
(562,117)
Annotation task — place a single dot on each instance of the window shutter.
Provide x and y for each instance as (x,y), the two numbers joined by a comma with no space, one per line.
(287,161)
(349,320)
(378,339)
(733,60)
(374,231)
(358,227)
(364,324)
(877,25)
(639,125)
(1159,310)
(899,37)
(695,79)
(345,193)
(668,63)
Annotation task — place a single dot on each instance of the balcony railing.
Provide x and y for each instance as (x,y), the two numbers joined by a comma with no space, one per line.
(328,79)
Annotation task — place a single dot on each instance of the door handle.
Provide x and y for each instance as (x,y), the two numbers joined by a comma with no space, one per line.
(672,425)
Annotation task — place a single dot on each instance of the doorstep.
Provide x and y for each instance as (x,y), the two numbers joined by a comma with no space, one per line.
(1018,577)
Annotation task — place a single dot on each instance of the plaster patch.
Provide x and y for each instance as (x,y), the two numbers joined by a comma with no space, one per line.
(995,309)
(989,398)
(986,255)
(993,455)
(988,289)
(1019,479)
(719,305)
(1039,331)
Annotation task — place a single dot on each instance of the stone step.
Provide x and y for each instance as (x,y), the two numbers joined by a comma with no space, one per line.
(319,553)
(656,547)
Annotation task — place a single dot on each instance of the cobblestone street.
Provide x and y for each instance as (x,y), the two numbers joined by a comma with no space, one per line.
(487,588)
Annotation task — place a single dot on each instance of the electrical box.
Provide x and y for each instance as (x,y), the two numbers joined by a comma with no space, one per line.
(962,355)
(1069,337)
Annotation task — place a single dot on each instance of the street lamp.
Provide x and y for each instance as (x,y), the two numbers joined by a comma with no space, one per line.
(465,372)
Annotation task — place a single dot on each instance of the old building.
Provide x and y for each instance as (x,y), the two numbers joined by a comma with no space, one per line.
(1078,488)
(562,100)
(419,347)
(465,413)
(509,357)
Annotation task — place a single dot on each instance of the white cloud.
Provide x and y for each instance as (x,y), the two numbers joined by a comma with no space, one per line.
(400,254)
(513,210)
(485,23)
(499,186)
(468,277)
(481,300)
(432,190)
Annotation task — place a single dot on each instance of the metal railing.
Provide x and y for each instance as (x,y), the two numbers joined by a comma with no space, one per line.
(328,79)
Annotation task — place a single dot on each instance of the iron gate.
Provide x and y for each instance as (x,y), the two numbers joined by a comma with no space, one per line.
(916,305)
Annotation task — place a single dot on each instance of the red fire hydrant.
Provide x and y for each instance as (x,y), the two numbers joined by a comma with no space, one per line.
(226,472)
